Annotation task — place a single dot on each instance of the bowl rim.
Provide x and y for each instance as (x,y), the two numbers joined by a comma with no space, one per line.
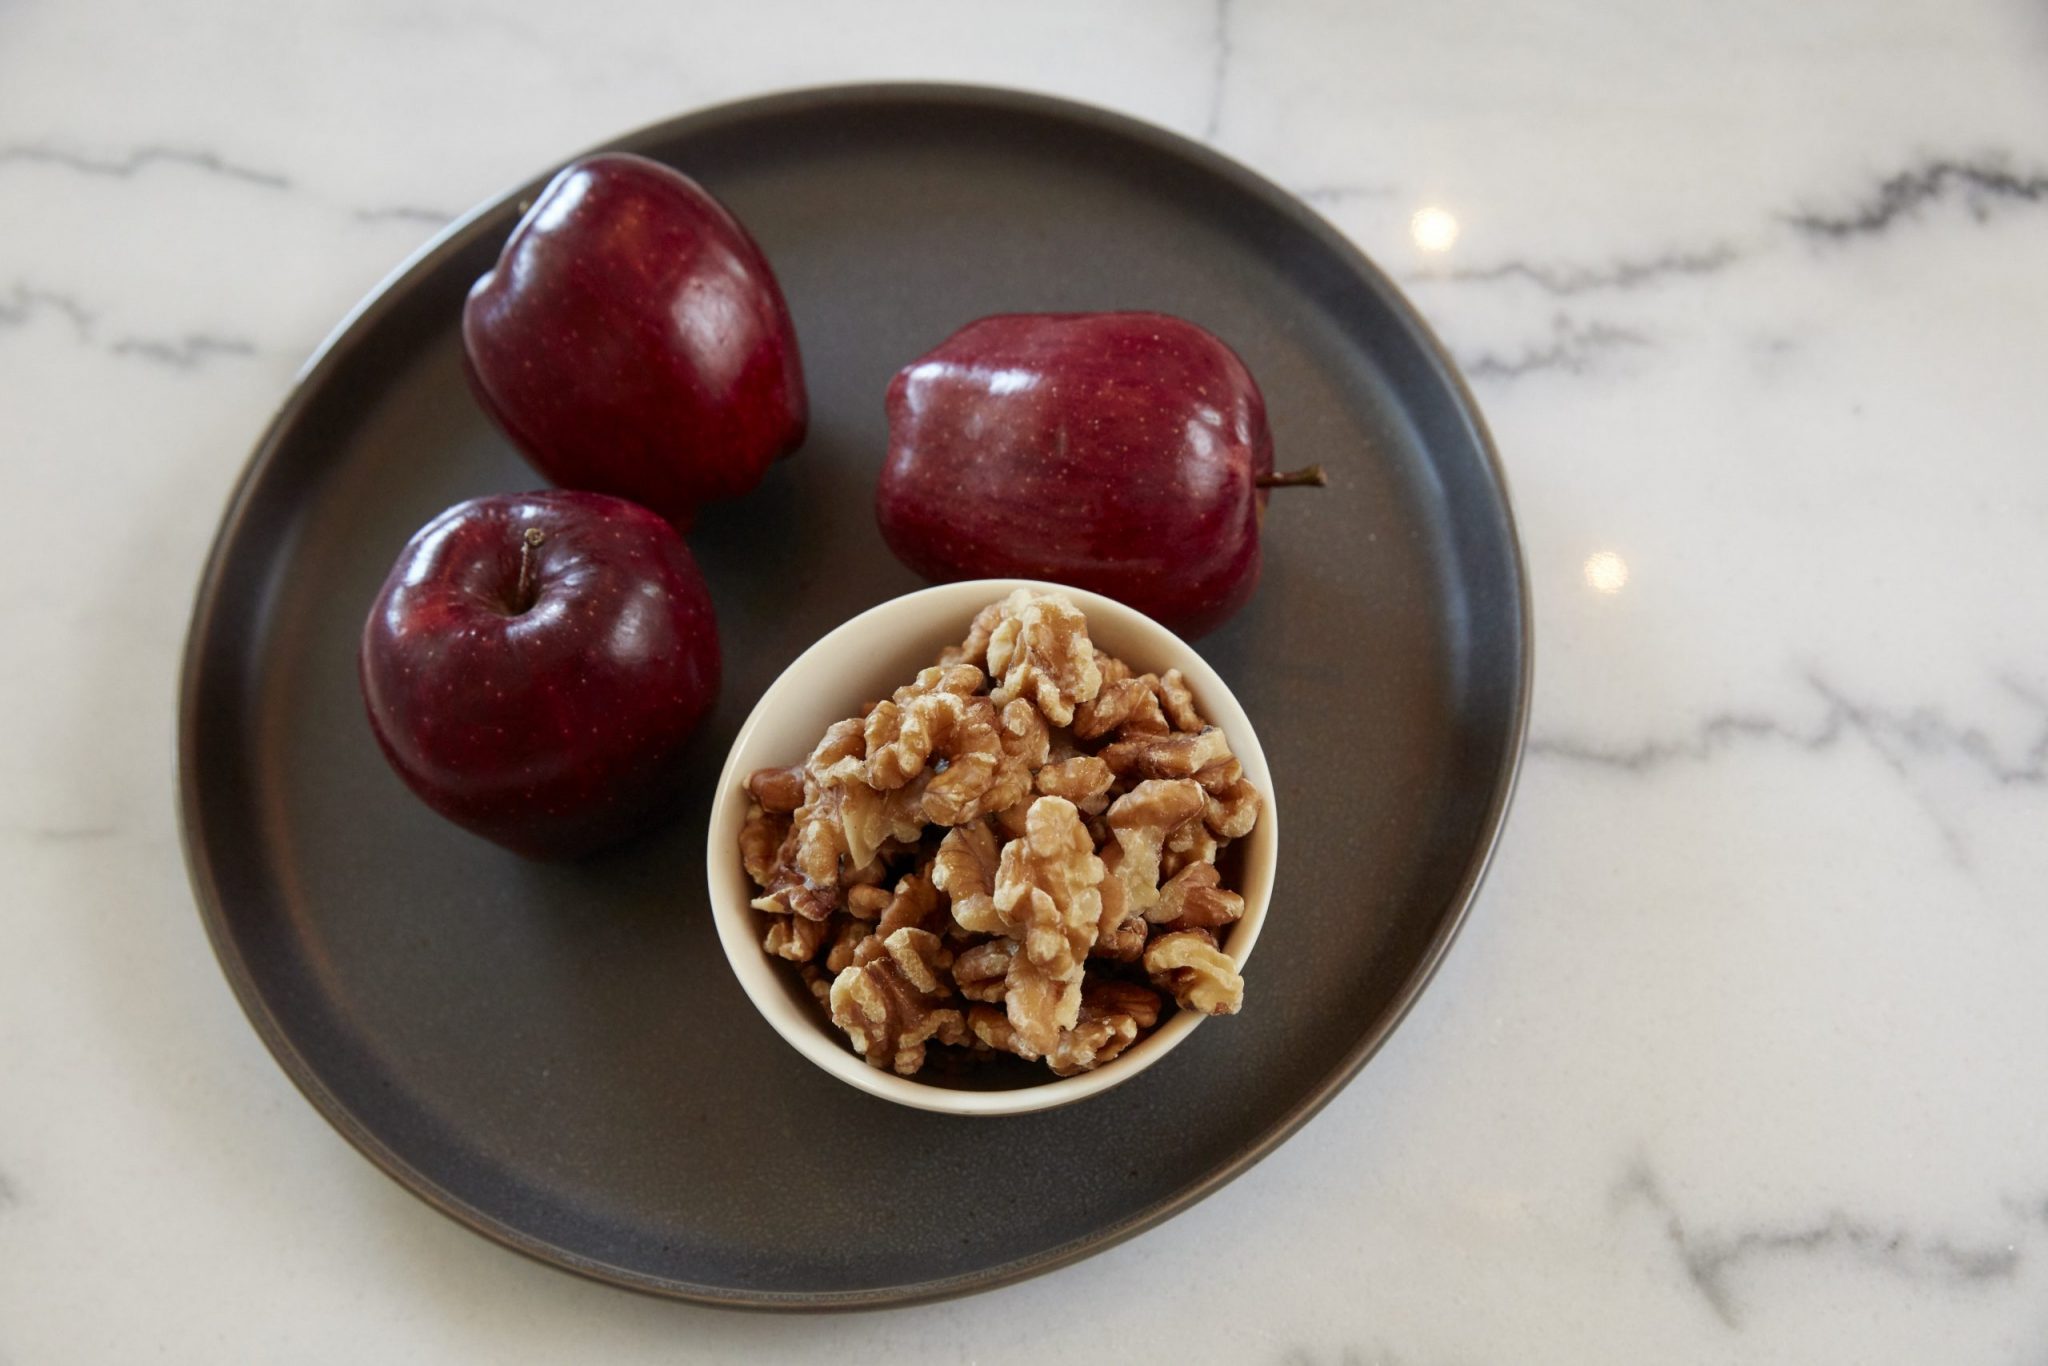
(765,979)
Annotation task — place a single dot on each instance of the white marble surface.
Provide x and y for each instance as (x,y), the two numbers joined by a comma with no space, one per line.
(1744,1056)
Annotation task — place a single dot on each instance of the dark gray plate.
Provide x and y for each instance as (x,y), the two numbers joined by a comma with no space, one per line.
(558,1056)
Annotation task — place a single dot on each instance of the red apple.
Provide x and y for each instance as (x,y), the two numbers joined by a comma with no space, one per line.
(535,664)
(1121,452)
(632,340)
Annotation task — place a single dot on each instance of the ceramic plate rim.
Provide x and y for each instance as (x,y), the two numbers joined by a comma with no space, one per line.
(388,293)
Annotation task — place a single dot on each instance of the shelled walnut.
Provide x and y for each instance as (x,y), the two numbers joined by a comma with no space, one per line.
(1187,965)
(1013,853)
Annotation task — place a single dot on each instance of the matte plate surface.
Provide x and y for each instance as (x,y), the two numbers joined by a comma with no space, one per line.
(559,1056)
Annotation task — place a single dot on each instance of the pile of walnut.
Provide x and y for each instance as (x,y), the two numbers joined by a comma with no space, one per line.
(1010,854)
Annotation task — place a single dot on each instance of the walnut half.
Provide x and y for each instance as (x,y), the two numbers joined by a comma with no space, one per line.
(1196,899)
(1142,820)
(1040,650)
(1113,1014)
(893,1005)
(965,870)
(1047,894)
(1199,976)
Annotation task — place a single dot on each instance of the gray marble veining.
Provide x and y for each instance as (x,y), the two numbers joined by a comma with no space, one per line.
(1981,186)
(1714,1259)
(1754,302)
(132,163)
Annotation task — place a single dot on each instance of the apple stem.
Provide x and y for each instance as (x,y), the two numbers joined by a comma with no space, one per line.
(530,543)
(1308,476)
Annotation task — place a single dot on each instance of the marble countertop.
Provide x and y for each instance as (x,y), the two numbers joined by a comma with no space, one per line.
(1743,1056)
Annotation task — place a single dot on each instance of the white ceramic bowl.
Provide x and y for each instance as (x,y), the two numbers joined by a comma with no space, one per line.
(870,656)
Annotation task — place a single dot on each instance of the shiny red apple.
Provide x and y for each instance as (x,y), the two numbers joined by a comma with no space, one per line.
(1126,453)
(535,665)
(632,340)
